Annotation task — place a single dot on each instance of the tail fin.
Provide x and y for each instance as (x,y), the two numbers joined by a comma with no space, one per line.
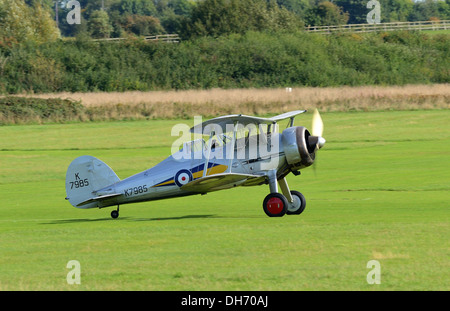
(84,176)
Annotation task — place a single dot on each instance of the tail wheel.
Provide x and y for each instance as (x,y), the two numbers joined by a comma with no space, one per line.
(299,204)
(115,213)
(275,205)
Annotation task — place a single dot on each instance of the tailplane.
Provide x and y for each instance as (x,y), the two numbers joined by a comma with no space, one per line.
(86,175)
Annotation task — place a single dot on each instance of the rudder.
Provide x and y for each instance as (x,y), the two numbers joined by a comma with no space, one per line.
(85,175)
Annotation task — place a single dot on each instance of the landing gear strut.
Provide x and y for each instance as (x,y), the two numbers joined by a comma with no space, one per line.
(115,213)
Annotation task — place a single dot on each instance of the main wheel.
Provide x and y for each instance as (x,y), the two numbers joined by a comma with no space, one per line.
(114,214)
(299,204)
(275,205)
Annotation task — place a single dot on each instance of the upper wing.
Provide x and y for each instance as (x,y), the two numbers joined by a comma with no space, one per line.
(222,181)
(243,120)
(287,115)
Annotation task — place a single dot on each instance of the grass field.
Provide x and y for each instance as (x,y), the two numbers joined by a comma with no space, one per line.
(380,192)
(437,32)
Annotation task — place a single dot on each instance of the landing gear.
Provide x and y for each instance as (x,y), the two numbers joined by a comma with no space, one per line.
(115,213)
(276,204)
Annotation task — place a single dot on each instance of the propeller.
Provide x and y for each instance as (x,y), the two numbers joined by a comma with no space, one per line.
(316,141)
(317,124)
(316,138)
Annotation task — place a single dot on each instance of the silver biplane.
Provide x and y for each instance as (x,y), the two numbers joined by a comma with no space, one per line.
(241,151)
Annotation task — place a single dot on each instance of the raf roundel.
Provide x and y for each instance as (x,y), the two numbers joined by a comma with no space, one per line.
(183,177)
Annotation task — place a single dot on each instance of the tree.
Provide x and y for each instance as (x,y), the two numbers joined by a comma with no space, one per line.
(99,24)
(45,26)
(173,23)
(20,22)
(400,10)
(298,7)
(396,10)
(138,7)
(444,9)
(219,17)
(356,9)
(143,25)
(326,13)
(430,9)
(181,7)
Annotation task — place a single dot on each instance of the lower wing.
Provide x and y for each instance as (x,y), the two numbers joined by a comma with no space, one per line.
(222,181)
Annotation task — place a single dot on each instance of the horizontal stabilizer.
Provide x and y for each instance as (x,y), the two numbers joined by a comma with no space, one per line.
(99,198)
(220,181)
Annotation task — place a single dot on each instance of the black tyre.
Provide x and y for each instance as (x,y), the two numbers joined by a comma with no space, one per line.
(299,204)
(275,205)
(114,214)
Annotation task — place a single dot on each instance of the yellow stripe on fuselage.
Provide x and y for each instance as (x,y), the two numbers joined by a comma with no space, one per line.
(211,171)
(165,183)
(216,170)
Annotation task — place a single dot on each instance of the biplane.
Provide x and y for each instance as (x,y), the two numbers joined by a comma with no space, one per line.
(230,151)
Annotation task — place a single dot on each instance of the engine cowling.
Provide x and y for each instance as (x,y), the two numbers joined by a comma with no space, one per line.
(300,146)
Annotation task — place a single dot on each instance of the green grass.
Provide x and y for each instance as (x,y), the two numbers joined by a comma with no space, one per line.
(381,191)
(437,32)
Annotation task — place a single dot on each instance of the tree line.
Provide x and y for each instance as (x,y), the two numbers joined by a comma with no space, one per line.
(21,20)
(250,60)
(227,44)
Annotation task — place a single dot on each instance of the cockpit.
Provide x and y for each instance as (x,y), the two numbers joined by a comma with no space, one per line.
(242,142)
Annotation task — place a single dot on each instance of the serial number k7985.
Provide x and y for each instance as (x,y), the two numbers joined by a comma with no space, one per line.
(79,182)
(135,190)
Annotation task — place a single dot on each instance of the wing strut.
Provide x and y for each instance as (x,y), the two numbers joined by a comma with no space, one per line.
(205,169)
(230,153)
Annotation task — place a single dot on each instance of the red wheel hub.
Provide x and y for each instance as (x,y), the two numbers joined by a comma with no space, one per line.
(275,206)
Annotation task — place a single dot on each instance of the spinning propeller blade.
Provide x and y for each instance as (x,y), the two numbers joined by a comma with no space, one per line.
(317,131)
(317,124)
